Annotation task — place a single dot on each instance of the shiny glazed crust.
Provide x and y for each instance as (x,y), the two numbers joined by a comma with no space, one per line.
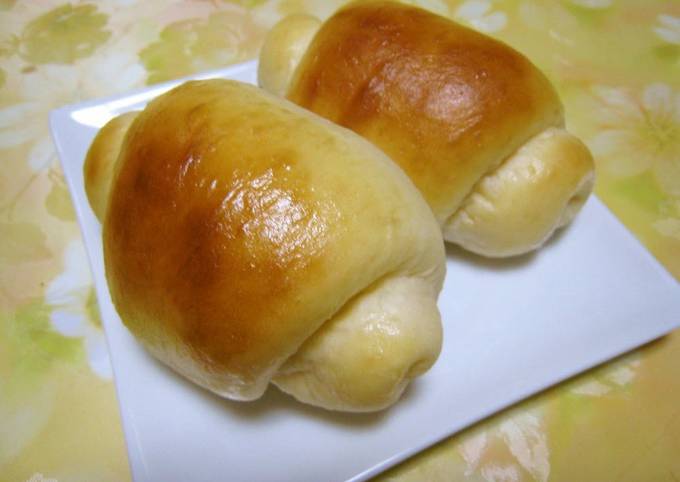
(446,103)
(238,225)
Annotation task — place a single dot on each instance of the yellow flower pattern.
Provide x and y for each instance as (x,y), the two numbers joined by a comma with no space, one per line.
(639,131)
(616,64)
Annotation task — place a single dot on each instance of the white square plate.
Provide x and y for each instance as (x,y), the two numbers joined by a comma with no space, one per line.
(512,328)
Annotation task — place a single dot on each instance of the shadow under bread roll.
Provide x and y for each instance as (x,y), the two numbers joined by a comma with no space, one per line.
(247,240)
(476,126)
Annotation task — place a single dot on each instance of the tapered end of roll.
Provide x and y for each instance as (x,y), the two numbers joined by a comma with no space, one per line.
(364,357)
(517,207)
(101,160)
(282,51)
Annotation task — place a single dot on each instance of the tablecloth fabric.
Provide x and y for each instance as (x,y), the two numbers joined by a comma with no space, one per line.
(616,65)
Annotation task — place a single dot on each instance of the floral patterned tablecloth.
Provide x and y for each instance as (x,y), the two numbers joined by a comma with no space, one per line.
(617,67)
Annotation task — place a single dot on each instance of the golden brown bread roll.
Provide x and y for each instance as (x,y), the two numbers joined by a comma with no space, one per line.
(473,123)
(247,240)
(101,159)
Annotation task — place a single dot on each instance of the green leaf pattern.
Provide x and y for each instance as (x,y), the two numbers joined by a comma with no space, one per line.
(64,35)
(199,44)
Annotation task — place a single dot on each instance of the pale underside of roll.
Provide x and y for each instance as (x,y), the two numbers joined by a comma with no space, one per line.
(474,124)
(248,241)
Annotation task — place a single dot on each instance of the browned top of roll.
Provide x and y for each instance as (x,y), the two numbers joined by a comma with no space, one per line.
(446,103)
(204,227)
(238,223)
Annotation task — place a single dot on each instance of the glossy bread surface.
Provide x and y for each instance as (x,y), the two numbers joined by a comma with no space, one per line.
(445,102)
(239,223)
